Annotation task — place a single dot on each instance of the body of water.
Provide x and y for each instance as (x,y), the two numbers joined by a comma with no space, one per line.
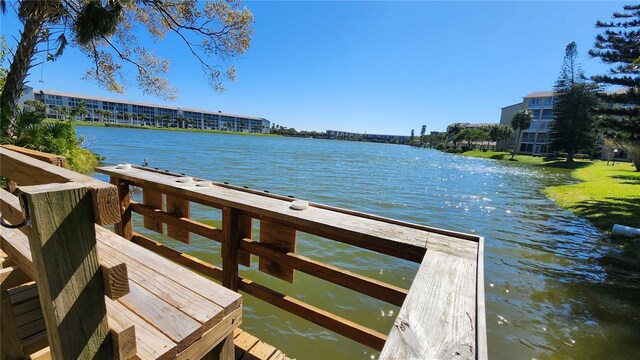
(554,287)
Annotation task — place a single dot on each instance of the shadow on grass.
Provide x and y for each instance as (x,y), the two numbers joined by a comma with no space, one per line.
(633,180)
(561,164)
(603,214)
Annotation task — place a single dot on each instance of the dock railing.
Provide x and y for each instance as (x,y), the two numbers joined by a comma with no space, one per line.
(442,315)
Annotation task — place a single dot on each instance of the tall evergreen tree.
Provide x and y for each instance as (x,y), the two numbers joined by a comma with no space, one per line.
(573,126)
(618,47)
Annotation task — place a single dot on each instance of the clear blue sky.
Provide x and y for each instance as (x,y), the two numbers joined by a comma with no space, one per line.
(375,67)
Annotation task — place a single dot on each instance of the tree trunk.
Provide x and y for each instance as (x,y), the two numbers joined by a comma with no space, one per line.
(569,156)
(515,145)
(636,163)
(14,85)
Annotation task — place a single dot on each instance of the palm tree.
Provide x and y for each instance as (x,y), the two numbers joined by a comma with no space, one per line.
(521,120)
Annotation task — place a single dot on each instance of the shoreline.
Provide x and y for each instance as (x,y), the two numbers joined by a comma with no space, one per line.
(604,195)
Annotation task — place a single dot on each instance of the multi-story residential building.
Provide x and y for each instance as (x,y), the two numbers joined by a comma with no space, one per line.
(137,113)
(534,139)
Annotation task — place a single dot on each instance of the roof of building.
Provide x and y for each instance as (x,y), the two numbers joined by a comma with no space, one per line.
(541,94)
(516,104)
(60,93)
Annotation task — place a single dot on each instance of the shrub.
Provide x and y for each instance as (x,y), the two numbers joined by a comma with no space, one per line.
(441,146)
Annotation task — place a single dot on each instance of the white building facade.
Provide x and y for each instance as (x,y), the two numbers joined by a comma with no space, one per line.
(143,114)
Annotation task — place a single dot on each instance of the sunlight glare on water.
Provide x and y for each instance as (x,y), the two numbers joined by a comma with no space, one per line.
(550,292)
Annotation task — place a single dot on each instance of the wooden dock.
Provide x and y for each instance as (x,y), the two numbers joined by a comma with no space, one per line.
(441,316)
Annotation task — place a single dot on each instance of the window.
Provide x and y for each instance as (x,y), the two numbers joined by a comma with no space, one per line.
(528,136)
(542,138)
(526,147)
(547,114)
(535,102)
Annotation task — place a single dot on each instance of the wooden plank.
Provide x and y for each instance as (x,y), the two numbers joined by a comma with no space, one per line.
(407,242)
(281,238)
(29,316)
(481,319)
(10,346)
(26,306)
(32,328)
(230,247)
(124,227)
(161,282)
(245,231)
(362,284)
(43,354)
(12,277)
(204,287)
(36,343)
(176,325)
(28,171)
(63,247)
(115,279)
(438,319)
(151,343)
(186,223)
(179,257)
(53,159)
(180,208)
(262,350)
(123,334)
(214,336)
(152,199)
(23,293)
(330,321)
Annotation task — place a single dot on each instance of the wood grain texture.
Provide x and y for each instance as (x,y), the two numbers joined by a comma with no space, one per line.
(366,231)
(53,159)
(245,231)
(10,346)
(123,335)
(230,247)
(181,209)
(115,279)
(279,237)
(29,171)
(63,247)
(214,336)
(438,319)
(152,199)
(124,227)
(177,221)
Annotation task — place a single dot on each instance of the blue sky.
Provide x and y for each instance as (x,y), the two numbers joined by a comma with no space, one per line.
(375,67)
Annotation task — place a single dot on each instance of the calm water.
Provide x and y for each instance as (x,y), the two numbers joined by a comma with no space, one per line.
(554,288)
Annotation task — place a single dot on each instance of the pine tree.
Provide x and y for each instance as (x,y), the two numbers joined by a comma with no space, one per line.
(618,47)
(573,126)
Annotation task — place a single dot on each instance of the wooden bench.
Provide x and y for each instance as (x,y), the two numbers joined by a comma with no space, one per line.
(176,312)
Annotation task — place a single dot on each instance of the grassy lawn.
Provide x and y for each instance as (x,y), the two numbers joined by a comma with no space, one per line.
(605,195)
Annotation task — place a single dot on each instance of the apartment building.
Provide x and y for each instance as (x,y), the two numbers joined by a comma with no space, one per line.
(138,113)
(337,134)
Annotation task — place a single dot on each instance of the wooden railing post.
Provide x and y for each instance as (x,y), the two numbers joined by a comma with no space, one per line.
(230,247)
(123,228)
(62,239)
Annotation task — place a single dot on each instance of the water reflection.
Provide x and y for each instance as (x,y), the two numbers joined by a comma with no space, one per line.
(554,287)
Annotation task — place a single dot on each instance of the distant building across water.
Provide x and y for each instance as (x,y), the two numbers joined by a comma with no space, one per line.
(344,135)
(143,114)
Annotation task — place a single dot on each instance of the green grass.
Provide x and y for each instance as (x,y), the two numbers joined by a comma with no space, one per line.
(605,195)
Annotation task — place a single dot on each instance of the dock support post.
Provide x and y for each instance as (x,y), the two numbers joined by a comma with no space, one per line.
(62,239)
(123,228)
(230,247)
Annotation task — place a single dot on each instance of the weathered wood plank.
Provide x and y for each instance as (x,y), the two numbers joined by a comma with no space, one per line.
(438,319)
(124,338)
(214,336)
(161,282)
(124,227)
(186,223)
(12,277)
(53,159)
(29,171)
(245,231)
(230,247)
(43,354)
(181,209)
(481,319)
(63,247)
(10,346)
(151,343)
(115,279)
(152,199)
(368,286)
(317,316)
(369,232)
(281,238)
(204,287)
